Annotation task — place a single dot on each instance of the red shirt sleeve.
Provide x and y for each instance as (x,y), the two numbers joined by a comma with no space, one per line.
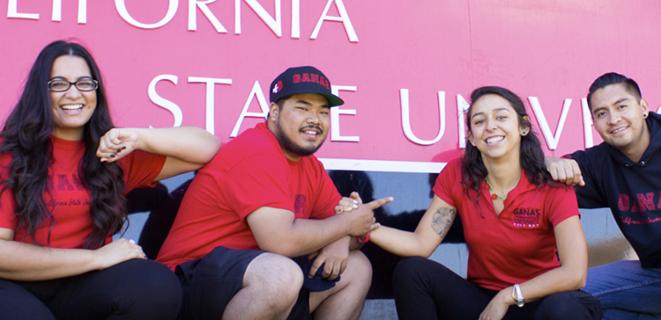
(7,205)
(7,210)
(448,179)
(141,169)
(560,204)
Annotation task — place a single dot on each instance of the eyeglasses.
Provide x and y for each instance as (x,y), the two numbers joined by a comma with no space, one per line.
(82,84)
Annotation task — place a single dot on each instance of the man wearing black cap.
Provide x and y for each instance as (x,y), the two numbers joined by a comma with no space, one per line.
(263,200)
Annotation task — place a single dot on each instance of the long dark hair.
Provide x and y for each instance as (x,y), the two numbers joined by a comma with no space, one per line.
(27,136)
(531,154)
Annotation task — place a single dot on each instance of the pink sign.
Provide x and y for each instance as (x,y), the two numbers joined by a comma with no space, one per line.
(404,68)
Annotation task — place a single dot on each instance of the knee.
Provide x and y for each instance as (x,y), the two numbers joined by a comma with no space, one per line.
(358,272)
(407,271)
(153,289)
(277,279)
(289,279)
(359,264)
(163,286)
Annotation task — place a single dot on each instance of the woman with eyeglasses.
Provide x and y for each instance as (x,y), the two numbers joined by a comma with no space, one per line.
(527,252)
(64,171)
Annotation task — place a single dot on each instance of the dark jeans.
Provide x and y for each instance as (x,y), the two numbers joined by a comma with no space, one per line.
(135,289)
(626,290)
(425,289)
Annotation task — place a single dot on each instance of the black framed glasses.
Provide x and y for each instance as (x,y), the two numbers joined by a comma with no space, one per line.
(83,84)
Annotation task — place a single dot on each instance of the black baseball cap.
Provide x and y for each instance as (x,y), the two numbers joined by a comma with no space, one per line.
(300,80)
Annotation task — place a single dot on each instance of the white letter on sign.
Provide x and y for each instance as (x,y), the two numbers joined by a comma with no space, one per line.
(335,116)
(275,24)
(406,118)
(344,18)
(203,5)
(12,12)
(124,13)
(162,102)
(551,139)
(210,100)
(255,92)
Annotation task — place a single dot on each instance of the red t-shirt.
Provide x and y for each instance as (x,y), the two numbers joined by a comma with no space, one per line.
(517,245)
(67,199)
(248,173)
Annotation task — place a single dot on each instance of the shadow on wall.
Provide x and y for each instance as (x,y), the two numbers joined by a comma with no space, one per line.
(162,206)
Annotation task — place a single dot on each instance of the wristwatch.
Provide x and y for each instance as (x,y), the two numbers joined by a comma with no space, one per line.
(518,295)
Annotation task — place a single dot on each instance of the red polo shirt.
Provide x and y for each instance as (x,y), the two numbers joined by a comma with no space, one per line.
(519,243)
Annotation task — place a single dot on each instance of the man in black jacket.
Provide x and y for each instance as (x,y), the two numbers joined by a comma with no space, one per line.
(624,174)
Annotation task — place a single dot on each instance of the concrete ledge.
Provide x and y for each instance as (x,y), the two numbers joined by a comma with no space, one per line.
(379,309)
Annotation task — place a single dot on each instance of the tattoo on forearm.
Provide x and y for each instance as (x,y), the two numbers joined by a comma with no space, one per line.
(442,220)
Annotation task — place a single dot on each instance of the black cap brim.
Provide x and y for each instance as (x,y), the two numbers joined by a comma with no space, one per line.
(333,100)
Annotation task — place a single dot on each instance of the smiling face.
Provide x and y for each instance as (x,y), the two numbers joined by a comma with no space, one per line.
(619,117)
(301,124)
(72,108)
(494,128)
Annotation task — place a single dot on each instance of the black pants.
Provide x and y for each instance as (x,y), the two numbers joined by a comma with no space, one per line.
(425,289)
(135,289)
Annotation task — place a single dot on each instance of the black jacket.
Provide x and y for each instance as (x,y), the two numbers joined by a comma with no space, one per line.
(631,190)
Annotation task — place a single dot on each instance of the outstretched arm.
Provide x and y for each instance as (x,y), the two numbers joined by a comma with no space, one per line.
(431,230)
(186,148)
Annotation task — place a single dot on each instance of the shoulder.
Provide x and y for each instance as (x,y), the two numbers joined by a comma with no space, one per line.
(453,168)
(591,152)
(560,202)
(448,185)
(592,157)
(655,116)
(450,175)
(557,189)
(255,148)
(558,195)
(257,140)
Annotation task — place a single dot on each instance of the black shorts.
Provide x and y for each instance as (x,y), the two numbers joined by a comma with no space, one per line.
(210,283)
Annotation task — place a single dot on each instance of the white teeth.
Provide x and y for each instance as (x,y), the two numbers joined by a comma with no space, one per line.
(71,106)
(618,130)
(311,132)
(496,139)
